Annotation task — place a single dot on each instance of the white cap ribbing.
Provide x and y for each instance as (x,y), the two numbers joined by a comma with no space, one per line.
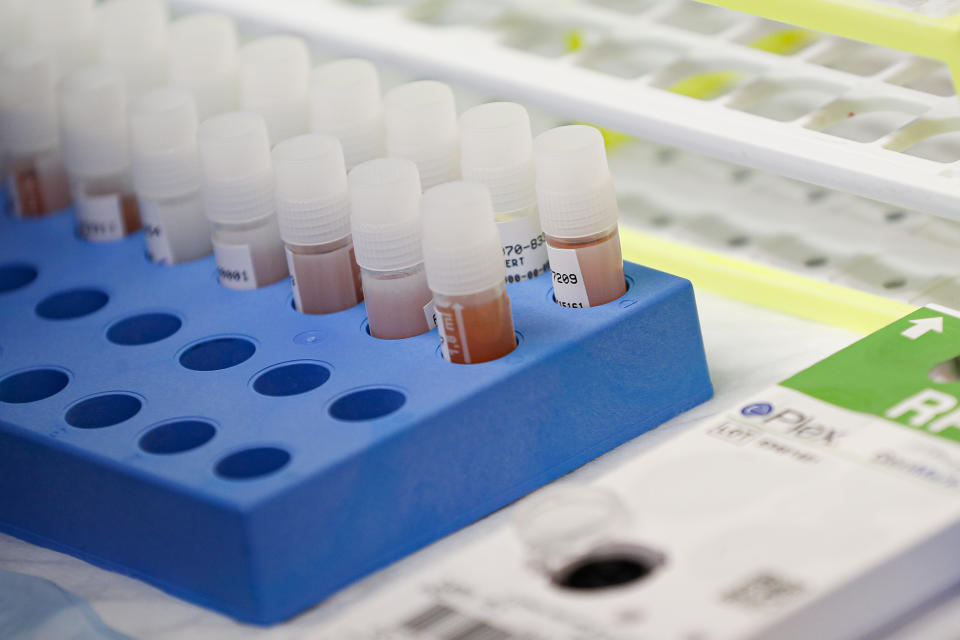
(345,102)
(497,151)
(421,119)
(274,73)
(163,140)
(28,100)
(133,39)
(385,214)
(65,27)
(93,122)
(203,59)
(461,242)
(236,168)
(313,206)
(574,189)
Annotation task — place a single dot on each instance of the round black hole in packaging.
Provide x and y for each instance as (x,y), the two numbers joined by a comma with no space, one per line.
(32,386)
(16,275)
(145,328)
(614,568)
(252,463)
(103,411)
(367,404)
(217,353)
(177,437)
(74,303)
(291,379)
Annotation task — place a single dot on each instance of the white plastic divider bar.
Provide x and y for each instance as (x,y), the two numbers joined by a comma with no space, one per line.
(478,56)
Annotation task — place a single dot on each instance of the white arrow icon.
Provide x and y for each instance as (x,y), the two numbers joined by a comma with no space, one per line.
(923,326)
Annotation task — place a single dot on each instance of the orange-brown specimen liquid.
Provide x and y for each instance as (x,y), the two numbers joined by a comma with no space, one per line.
(601,266)
(477,327)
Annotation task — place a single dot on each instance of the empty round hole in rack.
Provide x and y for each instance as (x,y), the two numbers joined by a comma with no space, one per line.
(217,353)
(145,328)
(291,379)
(177,437)
(73,303)
(252,463)
(32,385)
(367,404)
(102,411)
(607,568)
(16,275)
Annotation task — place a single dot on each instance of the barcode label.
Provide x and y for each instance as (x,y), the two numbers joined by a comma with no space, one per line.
(445,623)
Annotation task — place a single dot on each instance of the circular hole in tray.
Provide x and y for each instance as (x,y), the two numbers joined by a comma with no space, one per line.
(367,404)
(145,328)
(177,437)
(217,353)
(32,385)
(607,568)
(252,463)
(74,303)
(103,411)
(16,275)
(291,379)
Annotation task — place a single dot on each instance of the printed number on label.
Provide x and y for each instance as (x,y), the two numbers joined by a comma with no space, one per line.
(233,275)
(565,278)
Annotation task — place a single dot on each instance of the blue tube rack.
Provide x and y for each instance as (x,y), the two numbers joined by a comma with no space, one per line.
(245,457)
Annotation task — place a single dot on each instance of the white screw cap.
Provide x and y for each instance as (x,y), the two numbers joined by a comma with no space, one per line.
(345,102)
(461,241)
(274,72)
(421,122)
(497,151)
(28,100)
(313,206)
(133,39)
(385,214)
(203,59)
(236,168)
(163,136)
(65,27)
(93,122)
(574,189)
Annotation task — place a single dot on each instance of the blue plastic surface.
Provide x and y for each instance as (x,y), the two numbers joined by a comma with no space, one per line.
(258,490)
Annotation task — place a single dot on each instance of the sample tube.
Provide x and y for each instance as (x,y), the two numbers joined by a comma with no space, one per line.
(274,72)
(578,211)
(36,180)
(497,151)
(464,261)
(313,209)
(385,218)
(67,28)
(166,174)
(133,39)
(93,132)
(345,102)
(421,120)
(203,60)
(238,194)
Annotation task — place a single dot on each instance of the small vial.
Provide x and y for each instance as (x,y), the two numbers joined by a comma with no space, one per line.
(385,218)
(313,209)
(345,102)
(133,39)
(203,60)
(166,174)
(36,180)
(93,131)
(67,28)
(238,194)
(462,253)
(274,73)
(421,120)
(497,151)
(578,211)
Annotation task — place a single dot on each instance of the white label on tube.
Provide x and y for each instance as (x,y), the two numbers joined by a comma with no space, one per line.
(235,266)
(99,218)
(430,313)
(524,248)
(293,280)
(158,243)
(441,329)
(568,286)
